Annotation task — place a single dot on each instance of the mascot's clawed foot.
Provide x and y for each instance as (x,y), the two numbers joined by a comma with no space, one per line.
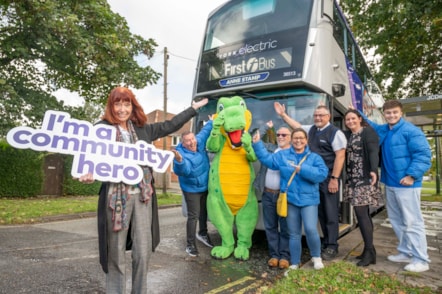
(241,253)
(221,252)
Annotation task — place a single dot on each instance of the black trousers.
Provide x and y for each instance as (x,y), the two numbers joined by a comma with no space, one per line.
(196,211)
(328,214)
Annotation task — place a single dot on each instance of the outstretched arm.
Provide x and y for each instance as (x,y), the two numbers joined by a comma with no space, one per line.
(181,167)
(161,129)
(280,110)
(313,169)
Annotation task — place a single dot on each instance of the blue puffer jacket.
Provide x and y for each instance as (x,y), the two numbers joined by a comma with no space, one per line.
(409,148)
(304,190)
(193,170)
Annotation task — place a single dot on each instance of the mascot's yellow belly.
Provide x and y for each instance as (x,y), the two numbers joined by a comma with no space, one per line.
(234,176)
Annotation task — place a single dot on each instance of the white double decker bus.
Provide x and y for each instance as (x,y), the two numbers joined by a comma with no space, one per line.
(300,53)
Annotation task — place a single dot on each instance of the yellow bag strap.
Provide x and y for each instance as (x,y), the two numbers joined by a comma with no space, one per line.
(294,173)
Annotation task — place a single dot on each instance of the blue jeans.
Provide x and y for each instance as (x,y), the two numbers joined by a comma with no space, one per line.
(404,212)
(307,216)
(277,237)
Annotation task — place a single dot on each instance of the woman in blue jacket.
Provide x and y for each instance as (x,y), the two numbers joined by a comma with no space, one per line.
(302,194)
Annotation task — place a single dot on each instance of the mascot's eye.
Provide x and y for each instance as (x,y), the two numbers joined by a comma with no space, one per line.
(243,104)
(220,107)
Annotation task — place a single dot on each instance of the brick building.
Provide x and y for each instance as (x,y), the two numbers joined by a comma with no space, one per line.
(171,141)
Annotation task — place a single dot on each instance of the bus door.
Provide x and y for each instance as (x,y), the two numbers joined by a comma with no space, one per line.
(346,214)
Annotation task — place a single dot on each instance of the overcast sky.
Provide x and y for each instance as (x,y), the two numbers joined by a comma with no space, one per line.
(177,25)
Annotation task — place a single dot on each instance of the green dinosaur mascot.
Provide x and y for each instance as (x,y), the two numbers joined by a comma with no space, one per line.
(231,200)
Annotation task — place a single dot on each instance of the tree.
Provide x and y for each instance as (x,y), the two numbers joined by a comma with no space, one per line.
(82,46)
(406,37)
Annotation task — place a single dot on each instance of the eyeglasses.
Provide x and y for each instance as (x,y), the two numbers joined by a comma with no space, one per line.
(282,135)
(319,115)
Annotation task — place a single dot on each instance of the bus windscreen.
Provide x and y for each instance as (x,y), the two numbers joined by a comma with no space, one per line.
(254,41)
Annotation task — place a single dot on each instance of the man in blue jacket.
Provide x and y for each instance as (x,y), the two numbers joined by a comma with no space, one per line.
(191,164)
(406,156)
(267,182)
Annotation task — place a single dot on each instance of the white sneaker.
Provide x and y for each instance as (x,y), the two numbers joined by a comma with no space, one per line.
(417,267)
(317,263)
(291,268)
(205,240)
(401,257)
(192,251)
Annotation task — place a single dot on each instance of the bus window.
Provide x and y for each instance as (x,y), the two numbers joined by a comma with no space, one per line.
(302,109)
(299,107)
(254,18)
(257,8)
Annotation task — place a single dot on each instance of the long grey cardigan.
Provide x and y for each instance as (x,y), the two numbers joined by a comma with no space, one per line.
(148,133)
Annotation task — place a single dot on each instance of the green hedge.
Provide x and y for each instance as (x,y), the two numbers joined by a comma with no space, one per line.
(21,171)
(22,174)
(74,187)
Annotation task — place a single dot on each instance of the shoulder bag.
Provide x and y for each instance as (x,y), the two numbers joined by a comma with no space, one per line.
(281,203)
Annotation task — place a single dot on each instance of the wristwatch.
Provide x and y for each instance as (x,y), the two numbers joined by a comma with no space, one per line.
(333,177)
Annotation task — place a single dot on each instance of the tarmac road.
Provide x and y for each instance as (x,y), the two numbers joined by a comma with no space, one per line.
(58,257)
(62,257)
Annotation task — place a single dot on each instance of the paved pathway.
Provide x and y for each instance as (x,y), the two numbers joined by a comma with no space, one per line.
(385,242)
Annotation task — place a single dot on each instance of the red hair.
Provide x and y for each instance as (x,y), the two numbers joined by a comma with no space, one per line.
(122,94)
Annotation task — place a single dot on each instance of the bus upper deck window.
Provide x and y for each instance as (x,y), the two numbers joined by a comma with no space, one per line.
(255,8)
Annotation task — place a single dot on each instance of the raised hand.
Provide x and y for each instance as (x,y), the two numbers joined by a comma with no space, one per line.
(246,140)
(197,104)
(218,122)
(178,156)
(279,108)
(256,137)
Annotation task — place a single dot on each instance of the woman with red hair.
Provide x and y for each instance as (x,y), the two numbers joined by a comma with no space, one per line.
(128,214)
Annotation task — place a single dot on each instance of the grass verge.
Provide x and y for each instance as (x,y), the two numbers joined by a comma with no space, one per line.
(429,192)
(15,211)
(341,277)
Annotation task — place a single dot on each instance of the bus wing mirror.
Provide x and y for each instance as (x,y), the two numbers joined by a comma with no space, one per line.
(338,90)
